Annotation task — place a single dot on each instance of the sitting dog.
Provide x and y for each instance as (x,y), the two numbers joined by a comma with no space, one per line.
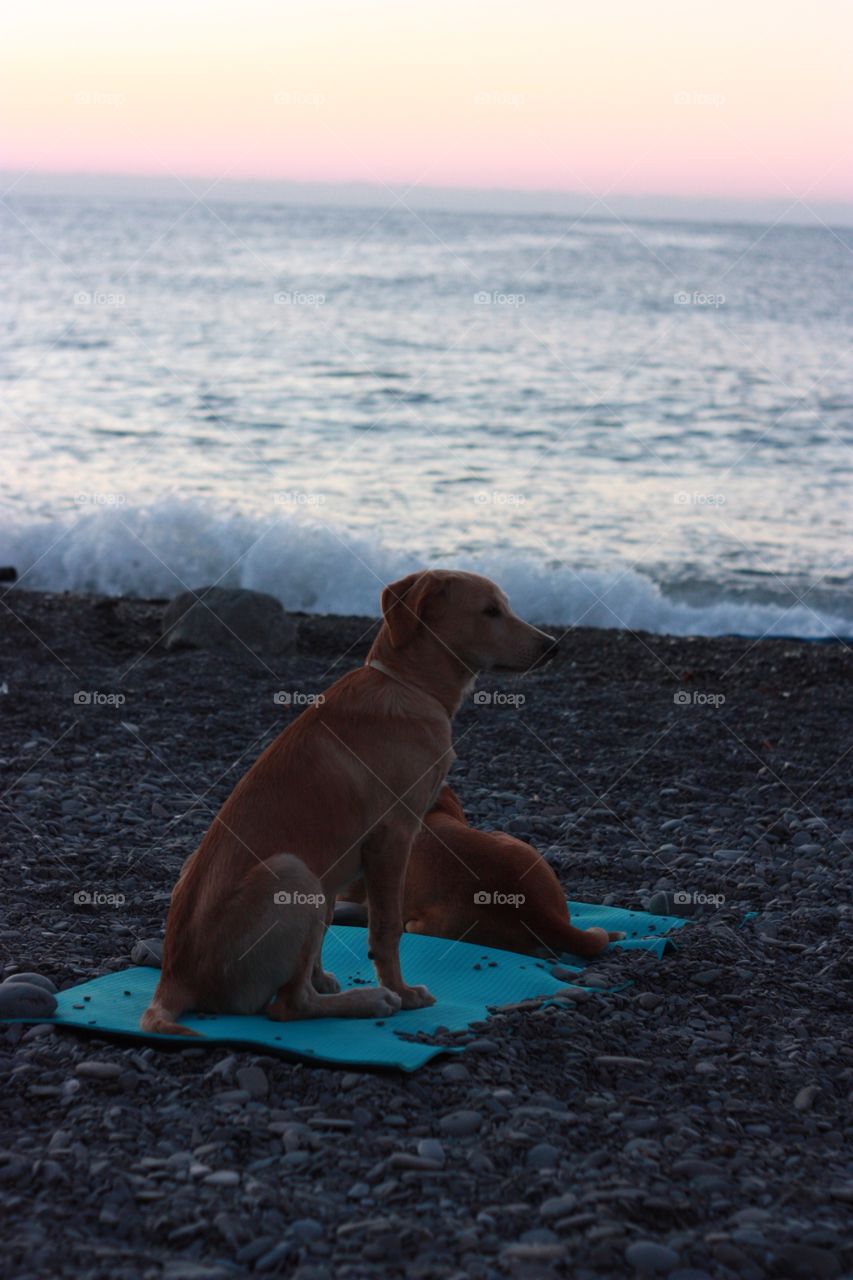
(338,796)
(484,887)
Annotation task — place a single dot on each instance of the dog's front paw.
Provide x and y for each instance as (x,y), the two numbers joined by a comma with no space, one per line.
(416,997)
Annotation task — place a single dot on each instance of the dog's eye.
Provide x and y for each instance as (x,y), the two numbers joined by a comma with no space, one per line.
(492,611)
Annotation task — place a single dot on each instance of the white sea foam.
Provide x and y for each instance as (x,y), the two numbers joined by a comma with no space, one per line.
(164,548)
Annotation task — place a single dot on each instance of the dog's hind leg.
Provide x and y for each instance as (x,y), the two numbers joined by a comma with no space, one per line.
(275,972)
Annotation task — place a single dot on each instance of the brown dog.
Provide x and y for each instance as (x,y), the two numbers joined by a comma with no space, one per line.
(339,795)
(487,887)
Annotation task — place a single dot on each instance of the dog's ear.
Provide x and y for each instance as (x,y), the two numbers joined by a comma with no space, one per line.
(404,604)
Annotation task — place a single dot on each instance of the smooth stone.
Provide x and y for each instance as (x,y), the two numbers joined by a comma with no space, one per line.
(558,1206)
(543,1156)
(223,1178)
(228,620)
(308,1229)
(95,1070)
(22,1000)
(805,1262)
(34,980)
(431,1149)
(254,1081)
(806,1096)
(148,952)
(539,1235)
(460,1124)
(456,1072)
(651,1258)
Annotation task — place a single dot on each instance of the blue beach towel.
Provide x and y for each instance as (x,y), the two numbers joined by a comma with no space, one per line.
(466,980)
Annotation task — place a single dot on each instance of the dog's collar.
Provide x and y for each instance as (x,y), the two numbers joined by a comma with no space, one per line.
(386,671)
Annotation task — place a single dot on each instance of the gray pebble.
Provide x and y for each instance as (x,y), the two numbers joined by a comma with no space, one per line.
(543,1156)
(148,952)
(22,1000)
(651,1258)
(254,1081)
(223,1178)
(308,1229)
(95,1070)
(460,1124)
(558,1206)
(431,1149)
(34,980)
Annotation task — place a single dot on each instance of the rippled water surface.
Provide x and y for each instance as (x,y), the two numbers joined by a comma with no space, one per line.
(645,424)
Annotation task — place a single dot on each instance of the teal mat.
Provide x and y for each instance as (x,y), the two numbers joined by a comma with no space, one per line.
(465,979)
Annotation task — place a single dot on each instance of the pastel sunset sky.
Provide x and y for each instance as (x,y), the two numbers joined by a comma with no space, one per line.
(737,98)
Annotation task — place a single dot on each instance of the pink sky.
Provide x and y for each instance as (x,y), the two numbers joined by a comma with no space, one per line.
(728,99)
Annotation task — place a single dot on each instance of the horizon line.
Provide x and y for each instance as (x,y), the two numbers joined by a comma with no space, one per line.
(674,206)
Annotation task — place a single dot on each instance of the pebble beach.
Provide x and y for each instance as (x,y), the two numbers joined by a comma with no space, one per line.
(689,1123)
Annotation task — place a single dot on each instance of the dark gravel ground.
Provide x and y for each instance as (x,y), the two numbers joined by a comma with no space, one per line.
(692,1124)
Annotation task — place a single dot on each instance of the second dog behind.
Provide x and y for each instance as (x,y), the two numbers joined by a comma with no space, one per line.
(486,887)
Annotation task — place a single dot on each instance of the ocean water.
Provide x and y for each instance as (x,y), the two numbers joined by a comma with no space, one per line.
(643,425)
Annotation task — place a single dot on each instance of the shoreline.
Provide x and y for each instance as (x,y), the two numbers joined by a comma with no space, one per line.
(739,791)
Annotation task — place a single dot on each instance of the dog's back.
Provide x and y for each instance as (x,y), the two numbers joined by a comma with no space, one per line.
(489,888)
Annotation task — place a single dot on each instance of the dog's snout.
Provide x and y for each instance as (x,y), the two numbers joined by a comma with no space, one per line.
(550,645)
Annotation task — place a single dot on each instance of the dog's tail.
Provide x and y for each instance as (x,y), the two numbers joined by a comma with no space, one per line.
(559,934)
(160,1020)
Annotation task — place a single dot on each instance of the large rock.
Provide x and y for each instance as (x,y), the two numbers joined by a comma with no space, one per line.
(228,620)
